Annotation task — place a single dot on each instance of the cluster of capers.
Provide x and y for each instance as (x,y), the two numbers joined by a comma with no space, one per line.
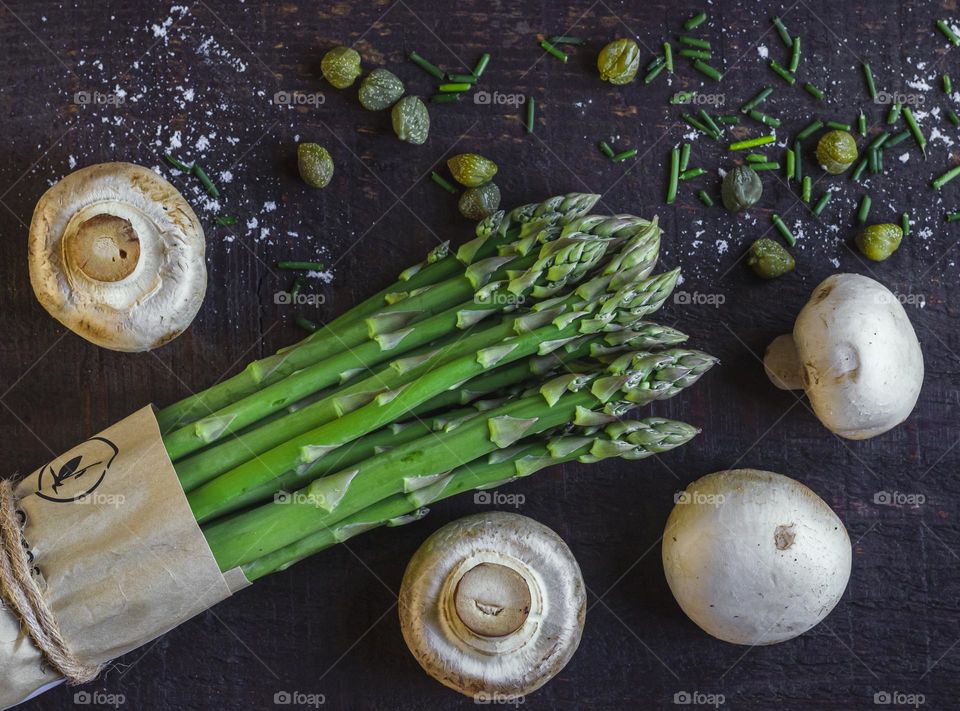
(482,197)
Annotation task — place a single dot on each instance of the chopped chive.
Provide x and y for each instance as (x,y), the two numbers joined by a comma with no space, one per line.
(783,73)
(549,48)
(698,125)
(425,65)
(531,109)
(952,115)
(905,224)
(566,39)
(765,166)
(456,87)
(947,84)
(695,21)
(838,125)
(783,229)
(795,55)
(445,98)
(862,124)
(879,161)
(309,266)
(623,155)
(756,158)
(306,324)
(695,53)
(822,203)
(782,31)
(606,149)
(674,175)
(858,171)
(442,182)
(753,142)
(462,78)
(205,181)
(176,164)
(873,160)
(668,56)
(894,113)
(226,220)
(728,118)
(684,156)
(682,97)
(807,189)
(791,163)
(953,216)
(896,139)
(654,73)
(692,173)
(864,212)
(809,130)
(705,198)
(481,65)
(709,122)
(657,61)
(871,86)
(813,91)
(296,286)
(757,99)
(948,32)
(946,177)
(798,164)
(915,130)
(707,70)
(764,118)
(694,42)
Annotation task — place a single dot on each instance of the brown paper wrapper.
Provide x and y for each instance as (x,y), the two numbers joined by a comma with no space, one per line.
(120,556)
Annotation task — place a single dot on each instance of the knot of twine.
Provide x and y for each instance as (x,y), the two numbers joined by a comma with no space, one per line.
(26,600)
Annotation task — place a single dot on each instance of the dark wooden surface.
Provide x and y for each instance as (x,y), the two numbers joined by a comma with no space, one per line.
(330,626)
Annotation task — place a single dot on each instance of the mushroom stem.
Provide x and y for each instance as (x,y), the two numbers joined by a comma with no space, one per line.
(492,600)
(782,363)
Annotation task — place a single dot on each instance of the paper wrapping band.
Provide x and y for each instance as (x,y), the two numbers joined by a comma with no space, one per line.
(117,560)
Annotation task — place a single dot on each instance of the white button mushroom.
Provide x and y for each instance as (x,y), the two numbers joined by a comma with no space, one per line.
(755,557)
(492,605)
(117,256)
(855,353)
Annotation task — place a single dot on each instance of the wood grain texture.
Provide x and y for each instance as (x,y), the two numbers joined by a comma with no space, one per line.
(329,626)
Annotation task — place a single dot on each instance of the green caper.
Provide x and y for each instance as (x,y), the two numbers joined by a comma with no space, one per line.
(836,151)
(341,66)
(619,61)
(411,120)
(471,170)
(315,165)
(380,90)
(769,259)
(742,188)
(480,202)
(877,242)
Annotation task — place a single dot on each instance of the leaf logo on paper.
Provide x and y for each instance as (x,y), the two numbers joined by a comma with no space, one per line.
(77,474)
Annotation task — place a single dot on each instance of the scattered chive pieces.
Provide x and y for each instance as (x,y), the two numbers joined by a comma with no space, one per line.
(709,122)
(953,216)
(915,130)
(297,286)
(791,163)
(905,224)
(795,55)
(694,42)
(205,181)
(871,86)
(784,74)
(894,113)
(565,39)
(705,199)
(309,266)
(481,64)
(707,70)
(858,171)
(783,229)
(654,73)
(442,182)
(462,78)
(668,56)
(896,139)
(757,99)
(753,142)
(606,149)
(947,84)
(810,129)
(226,220)
(948,32)
(531,109)
(946,177)
(765,166)
(657,61)
(838,125)
(727,118)
(682,97)
(822,203)
(674,175)
(623,155)
(698,125)
(695,53)
(873,159)
(695,21)
(764,119)
(862,124)
(425,65)
(692,173)
(684,156)
(756,158)
(456,87)
(813,91)
(798,164)
(176,164)
(549,48)
(782,31)
(807,189)
(864,211)
(445,98)
(952,115)
(306,324)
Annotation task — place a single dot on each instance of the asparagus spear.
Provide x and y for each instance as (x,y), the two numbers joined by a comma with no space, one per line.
(630,440)
(247,536)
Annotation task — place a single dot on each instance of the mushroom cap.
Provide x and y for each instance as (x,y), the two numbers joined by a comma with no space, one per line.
(492,605)
(755,557)
(860,361)
(117,256)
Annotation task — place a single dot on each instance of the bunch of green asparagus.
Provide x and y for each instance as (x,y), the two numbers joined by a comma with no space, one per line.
(524,349)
